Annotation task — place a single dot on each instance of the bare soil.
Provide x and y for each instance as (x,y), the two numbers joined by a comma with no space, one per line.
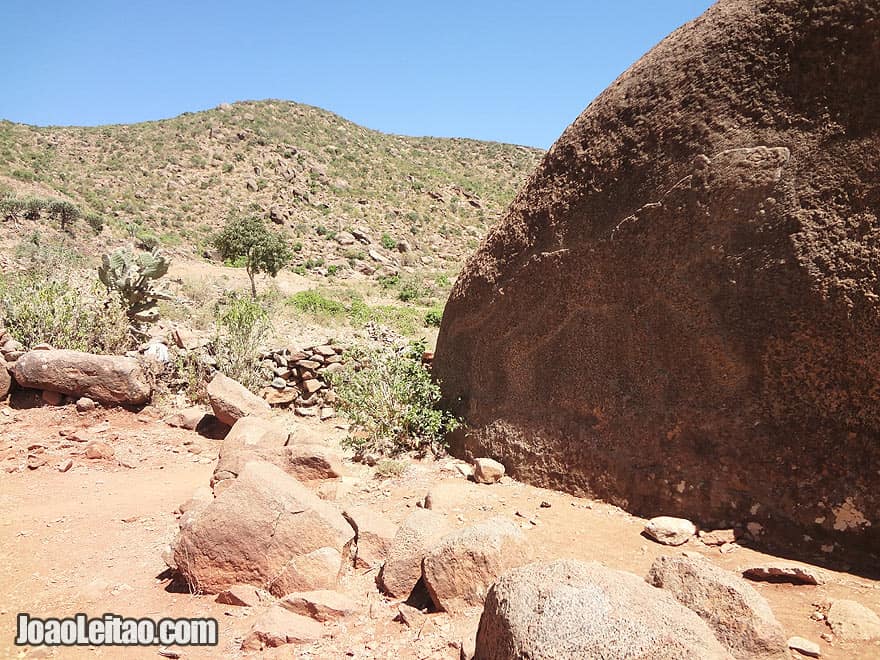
(91,539)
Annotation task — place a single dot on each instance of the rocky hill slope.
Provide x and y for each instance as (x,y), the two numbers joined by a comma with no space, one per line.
(174,181)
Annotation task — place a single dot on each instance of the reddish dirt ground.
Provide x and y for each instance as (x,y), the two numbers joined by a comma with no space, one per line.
(91,539)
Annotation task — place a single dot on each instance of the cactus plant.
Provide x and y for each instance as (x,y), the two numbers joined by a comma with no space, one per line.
(130,275)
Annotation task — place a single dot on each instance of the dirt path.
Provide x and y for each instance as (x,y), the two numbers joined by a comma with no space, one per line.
(91,539)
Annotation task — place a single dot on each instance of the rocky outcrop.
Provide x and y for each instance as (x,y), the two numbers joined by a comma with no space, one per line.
(265,529)
(104,378)
(230,400)
(569,609)
(739,615)
(680,308)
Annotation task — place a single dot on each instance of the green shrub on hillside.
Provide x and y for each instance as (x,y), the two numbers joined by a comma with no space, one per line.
(69,311)
(387,242)
(242,326)
(392,402)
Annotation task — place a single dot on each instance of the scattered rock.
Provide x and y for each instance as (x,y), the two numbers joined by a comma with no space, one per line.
(242,595)
(852,621)
(104,378)
(403,566)
(65,465)
(571,609)
(412,617)
(305,462)
(84,404)
(739,615)
(320,604)
(717,537)
(99,450)
(187,418)
(374,534)
(277,627)
(670,531)
(231,400)
(487,471)
(785,572)
(265,529)
(804,647)
(256,431)
(202,496)
(460,568)
(36,459)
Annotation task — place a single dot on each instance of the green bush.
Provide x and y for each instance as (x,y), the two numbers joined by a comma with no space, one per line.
(242,326)
(67,312)
(433,318)
(392,402)
(387,242)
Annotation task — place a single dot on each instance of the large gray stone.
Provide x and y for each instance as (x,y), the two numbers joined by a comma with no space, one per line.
(739,615)
(570,610)
(105,378)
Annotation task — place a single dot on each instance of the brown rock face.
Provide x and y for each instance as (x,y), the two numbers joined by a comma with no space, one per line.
(679,312)
(105,378)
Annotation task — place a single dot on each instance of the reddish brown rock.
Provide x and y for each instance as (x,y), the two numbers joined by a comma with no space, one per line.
(320,604)
(374,534)
(460,568)
(739,615)
(414,538)
(231,400)
(104,378)
(265,529)
(685,290)
(5,379)
(242,595)
(277,627)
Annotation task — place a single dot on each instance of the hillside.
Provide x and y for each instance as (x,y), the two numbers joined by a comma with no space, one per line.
(174,181)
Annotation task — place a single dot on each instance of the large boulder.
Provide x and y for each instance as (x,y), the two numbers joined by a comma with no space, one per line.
(306,462)
(416,535)
(739,615)
(5,379)
(568,610)
(230,400)
(679,311)
(460,568)
(265,529)
(105,378)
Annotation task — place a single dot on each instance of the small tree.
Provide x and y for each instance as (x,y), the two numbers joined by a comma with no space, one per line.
(263,250)
(65,212)
(12,209)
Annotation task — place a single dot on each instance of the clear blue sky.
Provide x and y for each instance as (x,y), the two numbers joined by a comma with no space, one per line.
(510,70)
